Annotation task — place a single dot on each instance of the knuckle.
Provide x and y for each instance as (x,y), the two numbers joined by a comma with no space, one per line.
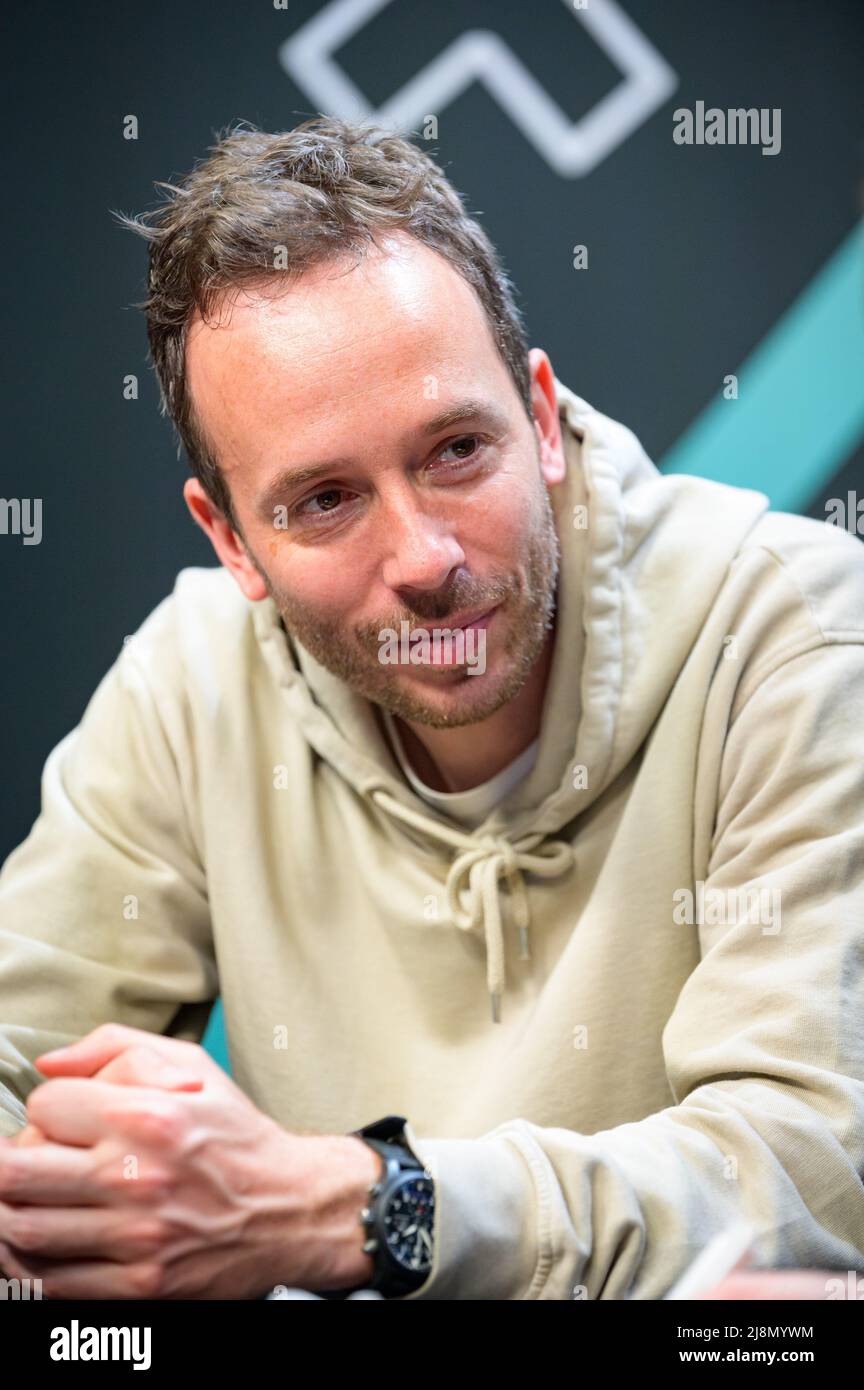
(147,1279)
(162,1123)
(11,1173)
(22,1232)
(183,1052)
(142,1061)
(167,1047)
(154,1185)
(180,1052)
(155,1119)
(107,1033)
(150,1236)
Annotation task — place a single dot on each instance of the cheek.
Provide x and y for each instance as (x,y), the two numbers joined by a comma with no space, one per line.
(500,522)
(275,545)
(319,585)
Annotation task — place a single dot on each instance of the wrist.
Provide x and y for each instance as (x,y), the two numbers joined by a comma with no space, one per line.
(400,1219)
(346,1168)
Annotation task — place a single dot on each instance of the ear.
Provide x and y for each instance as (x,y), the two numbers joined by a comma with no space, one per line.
(553,463)
(225,540)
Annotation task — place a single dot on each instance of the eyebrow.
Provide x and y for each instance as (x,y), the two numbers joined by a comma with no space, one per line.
(292,478)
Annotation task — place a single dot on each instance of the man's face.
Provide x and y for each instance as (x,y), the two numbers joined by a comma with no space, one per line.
(359,511)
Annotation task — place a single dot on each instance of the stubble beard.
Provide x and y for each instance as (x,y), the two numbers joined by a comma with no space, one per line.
(529,606)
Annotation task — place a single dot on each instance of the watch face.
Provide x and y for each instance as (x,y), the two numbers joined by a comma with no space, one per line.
(409,1222)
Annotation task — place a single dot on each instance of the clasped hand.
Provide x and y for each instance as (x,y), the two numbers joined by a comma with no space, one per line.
(145,1172)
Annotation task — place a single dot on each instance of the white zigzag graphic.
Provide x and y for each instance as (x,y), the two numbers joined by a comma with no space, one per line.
(572,149)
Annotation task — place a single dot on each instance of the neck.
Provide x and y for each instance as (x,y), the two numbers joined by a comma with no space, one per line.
(453,760)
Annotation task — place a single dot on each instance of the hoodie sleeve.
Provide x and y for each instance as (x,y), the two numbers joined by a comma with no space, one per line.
(103,907)
(764,1051)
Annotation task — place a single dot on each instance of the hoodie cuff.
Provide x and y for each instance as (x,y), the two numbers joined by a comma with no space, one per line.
(13,1116)
(485,1244)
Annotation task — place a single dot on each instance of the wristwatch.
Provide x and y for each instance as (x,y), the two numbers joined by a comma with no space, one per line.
(399,1218)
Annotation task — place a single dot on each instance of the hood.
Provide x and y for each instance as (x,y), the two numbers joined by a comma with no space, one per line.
(616,657)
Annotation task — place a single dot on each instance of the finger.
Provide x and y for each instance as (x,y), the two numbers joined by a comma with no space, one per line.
(83,1110)
(60,1233)
(791,1284)
(30,1134)
(143,1066)
(48,1173)
(94,1051)
(83,1279)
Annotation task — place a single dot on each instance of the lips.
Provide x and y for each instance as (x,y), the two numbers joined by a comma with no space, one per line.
(475,619)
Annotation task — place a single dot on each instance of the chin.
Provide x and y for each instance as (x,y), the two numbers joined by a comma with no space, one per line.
(468,700)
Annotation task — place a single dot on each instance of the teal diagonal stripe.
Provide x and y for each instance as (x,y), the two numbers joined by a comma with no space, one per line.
(214,1040)
(800,407)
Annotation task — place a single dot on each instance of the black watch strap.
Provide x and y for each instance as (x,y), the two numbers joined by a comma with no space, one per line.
(390,1130)
(389,1138)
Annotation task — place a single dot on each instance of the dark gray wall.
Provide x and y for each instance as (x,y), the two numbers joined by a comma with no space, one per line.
(693,257)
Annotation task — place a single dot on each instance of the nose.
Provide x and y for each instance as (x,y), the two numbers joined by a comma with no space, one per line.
(420,548)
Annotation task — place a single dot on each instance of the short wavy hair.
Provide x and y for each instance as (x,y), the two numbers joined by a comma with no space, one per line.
(316,193)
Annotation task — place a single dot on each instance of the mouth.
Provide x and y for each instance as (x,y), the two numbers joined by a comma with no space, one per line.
(467,649)
(466,621)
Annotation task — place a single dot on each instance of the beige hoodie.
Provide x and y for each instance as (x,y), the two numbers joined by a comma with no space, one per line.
(671,1053)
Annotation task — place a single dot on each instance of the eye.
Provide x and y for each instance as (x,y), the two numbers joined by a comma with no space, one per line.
(327,494)
(470,439)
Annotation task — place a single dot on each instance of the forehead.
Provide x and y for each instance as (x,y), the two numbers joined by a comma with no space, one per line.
(343,337)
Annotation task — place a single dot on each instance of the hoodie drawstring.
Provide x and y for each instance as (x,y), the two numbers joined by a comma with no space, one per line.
(472,882)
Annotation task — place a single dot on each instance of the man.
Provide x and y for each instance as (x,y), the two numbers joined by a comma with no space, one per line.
(580,894)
